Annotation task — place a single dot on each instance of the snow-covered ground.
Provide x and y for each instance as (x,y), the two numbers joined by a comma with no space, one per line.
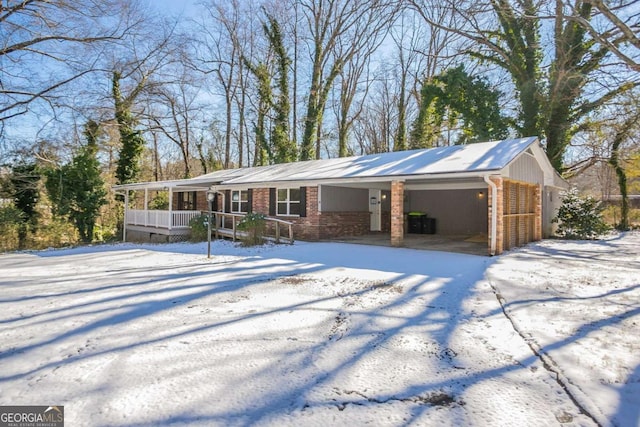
(324,334)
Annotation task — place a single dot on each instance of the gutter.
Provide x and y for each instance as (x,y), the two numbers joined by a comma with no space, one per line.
(494,213)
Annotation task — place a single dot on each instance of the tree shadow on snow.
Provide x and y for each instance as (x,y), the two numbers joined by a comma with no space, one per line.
(436,291)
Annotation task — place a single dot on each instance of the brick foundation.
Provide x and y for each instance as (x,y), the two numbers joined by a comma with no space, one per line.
(337,224)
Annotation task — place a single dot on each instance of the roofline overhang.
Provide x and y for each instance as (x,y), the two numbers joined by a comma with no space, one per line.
(160,185)
(354,180)
(204,185)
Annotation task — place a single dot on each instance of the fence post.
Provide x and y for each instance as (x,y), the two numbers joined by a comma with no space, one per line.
(277,232)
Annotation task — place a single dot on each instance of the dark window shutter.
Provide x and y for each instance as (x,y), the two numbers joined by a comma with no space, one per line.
(215,207)
(272,201)
(180,201)
(195,201)
(303,201)
(250,200)
(227,201)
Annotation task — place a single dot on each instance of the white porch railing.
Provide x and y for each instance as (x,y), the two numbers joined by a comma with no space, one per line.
(160,219)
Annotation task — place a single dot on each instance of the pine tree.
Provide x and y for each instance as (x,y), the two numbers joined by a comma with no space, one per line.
(580,217)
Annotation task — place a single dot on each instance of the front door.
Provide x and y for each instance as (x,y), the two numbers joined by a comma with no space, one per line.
(375,209)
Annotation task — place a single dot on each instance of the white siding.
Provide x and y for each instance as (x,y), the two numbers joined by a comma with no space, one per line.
(525,168)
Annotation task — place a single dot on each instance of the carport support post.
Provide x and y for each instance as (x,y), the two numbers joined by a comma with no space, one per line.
(537,228)
(397,214)
(498,220)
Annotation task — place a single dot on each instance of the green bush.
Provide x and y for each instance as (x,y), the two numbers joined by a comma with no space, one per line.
(10,220)
(254,224)
(160,201)
(580,217)
(199,228)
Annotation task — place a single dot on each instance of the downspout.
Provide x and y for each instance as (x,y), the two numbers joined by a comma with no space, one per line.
(494,213)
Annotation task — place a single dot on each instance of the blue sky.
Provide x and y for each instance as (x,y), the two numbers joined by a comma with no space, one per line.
(173,7)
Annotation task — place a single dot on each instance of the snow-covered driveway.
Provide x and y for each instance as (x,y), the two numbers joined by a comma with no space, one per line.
(314,334)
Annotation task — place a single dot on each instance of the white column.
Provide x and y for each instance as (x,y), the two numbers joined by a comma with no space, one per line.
(126,210)
(146,206)
(170,208)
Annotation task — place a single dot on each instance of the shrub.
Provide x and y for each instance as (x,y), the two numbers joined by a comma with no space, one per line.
(580,217)
(10,220)
(160,201)
(254,224)
(199,228)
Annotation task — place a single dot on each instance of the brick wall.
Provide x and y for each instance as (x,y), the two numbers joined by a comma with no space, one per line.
(537,233)
(304,228)
(397,213)
(261,200)
(499,211)
(320,225)
(201,201)
(337,224)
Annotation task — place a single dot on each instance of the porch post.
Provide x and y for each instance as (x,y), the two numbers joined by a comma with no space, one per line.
(170,208)
(497,213)
(397,214)
(146,206)
(537,194)
(126,209)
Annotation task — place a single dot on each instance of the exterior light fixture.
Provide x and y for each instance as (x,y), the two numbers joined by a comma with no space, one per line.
(480,195)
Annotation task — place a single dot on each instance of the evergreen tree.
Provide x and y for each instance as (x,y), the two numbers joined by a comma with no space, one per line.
(580,217)
(77,189)
(24,181)
(464,101)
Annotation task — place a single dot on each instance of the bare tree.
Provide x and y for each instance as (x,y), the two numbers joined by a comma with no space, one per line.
(374,129)
(421,53)
(555,98)
(621,31)
(225,35)
(175,111)
(65,36)
(338,30)
(350,86)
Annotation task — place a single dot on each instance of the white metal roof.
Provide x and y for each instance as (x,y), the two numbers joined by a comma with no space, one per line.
(462,160)
(480,157)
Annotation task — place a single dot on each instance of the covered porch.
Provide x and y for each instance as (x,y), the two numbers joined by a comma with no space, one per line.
(160,211)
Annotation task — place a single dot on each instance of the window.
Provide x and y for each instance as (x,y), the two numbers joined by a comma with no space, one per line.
(187,201)
(240,201)
(288,201)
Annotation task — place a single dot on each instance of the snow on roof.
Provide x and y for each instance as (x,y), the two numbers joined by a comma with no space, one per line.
(479,157)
